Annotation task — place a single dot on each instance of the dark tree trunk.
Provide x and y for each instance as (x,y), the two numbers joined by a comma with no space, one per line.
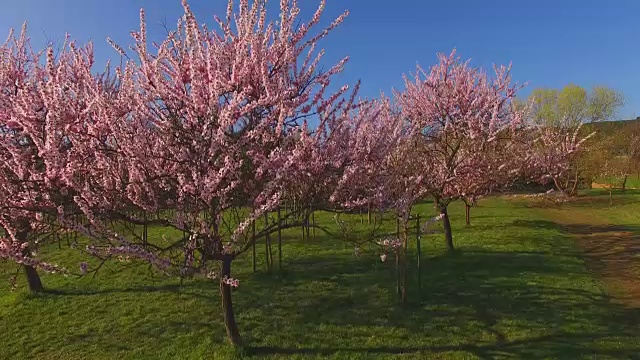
(447,228)
(398,273)
(279,241)
(624,182)
(33,279)
(253,244)
(467,213)
(418,248)
(145,234)
(398,267)
(227,306)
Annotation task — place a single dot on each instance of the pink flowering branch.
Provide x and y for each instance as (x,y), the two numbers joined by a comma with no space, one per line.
(18,253)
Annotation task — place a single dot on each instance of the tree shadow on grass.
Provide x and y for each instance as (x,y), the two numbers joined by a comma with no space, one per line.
(477,303)
(190,289)
(521,304)
(565,343)
(529,224)
(575,228)
(593,199)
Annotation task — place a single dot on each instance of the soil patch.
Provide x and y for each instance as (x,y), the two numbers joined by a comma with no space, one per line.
(612,252)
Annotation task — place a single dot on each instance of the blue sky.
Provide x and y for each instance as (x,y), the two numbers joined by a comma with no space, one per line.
(551,43)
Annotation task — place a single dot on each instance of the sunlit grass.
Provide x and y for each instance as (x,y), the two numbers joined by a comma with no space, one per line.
(633,181)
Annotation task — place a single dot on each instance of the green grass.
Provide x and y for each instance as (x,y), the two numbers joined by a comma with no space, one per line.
(633,181)
(625,209)
(517,288)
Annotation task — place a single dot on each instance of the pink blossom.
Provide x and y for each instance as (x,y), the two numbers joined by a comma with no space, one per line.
(83,267)
(231,281)
(391,243)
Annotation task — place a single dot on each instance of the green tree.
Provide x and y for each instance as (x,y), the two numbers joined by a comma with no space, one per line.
(568,110)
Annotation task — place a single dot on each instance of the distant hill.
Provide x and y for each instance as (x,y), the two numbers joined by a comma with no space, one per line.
(608,127)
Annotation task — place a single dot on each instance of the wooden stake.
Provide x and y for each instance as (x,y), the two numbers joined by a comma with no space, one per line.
(267,242)
(144,230)
(279,242)
(302,228)
(398,290)
(418,246)
(253,243)
(307,225)
(313,219)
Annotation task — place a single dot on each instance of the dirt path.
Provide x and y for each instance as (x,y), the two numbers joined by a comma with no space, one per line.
(612,252)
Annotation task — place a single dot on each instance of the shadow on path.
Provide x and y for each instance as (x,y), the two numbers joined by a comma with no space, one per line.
(612,252)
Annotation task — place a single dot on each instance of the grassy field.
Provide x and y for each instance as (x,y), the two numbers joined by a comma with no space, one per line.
(633,181)
(518,287)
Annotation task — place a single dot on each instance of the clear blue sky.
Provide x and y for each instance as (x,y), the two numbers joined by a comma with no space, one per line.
(551,43)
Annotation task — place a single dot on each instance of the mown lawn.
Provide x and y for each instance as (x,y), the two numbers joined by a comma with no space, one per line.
(624,210)
(517,288)
(633,181)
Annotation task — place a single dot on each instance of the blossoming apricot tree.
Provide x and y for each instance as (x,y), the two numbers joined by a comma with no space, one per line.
(458,114)
(212,125)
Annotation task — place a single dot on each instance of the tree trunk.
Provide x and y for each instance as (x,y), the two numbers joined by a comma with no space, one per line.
(33,279)
(624,182)
(398,270)
(145,233)
(558,186)
(403,250)
(398,275)
(468,213)
(574,189)
(418,248)
(610,197)
(253,244)
(227,306)
(279,241)
(267,243)
(447,228)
